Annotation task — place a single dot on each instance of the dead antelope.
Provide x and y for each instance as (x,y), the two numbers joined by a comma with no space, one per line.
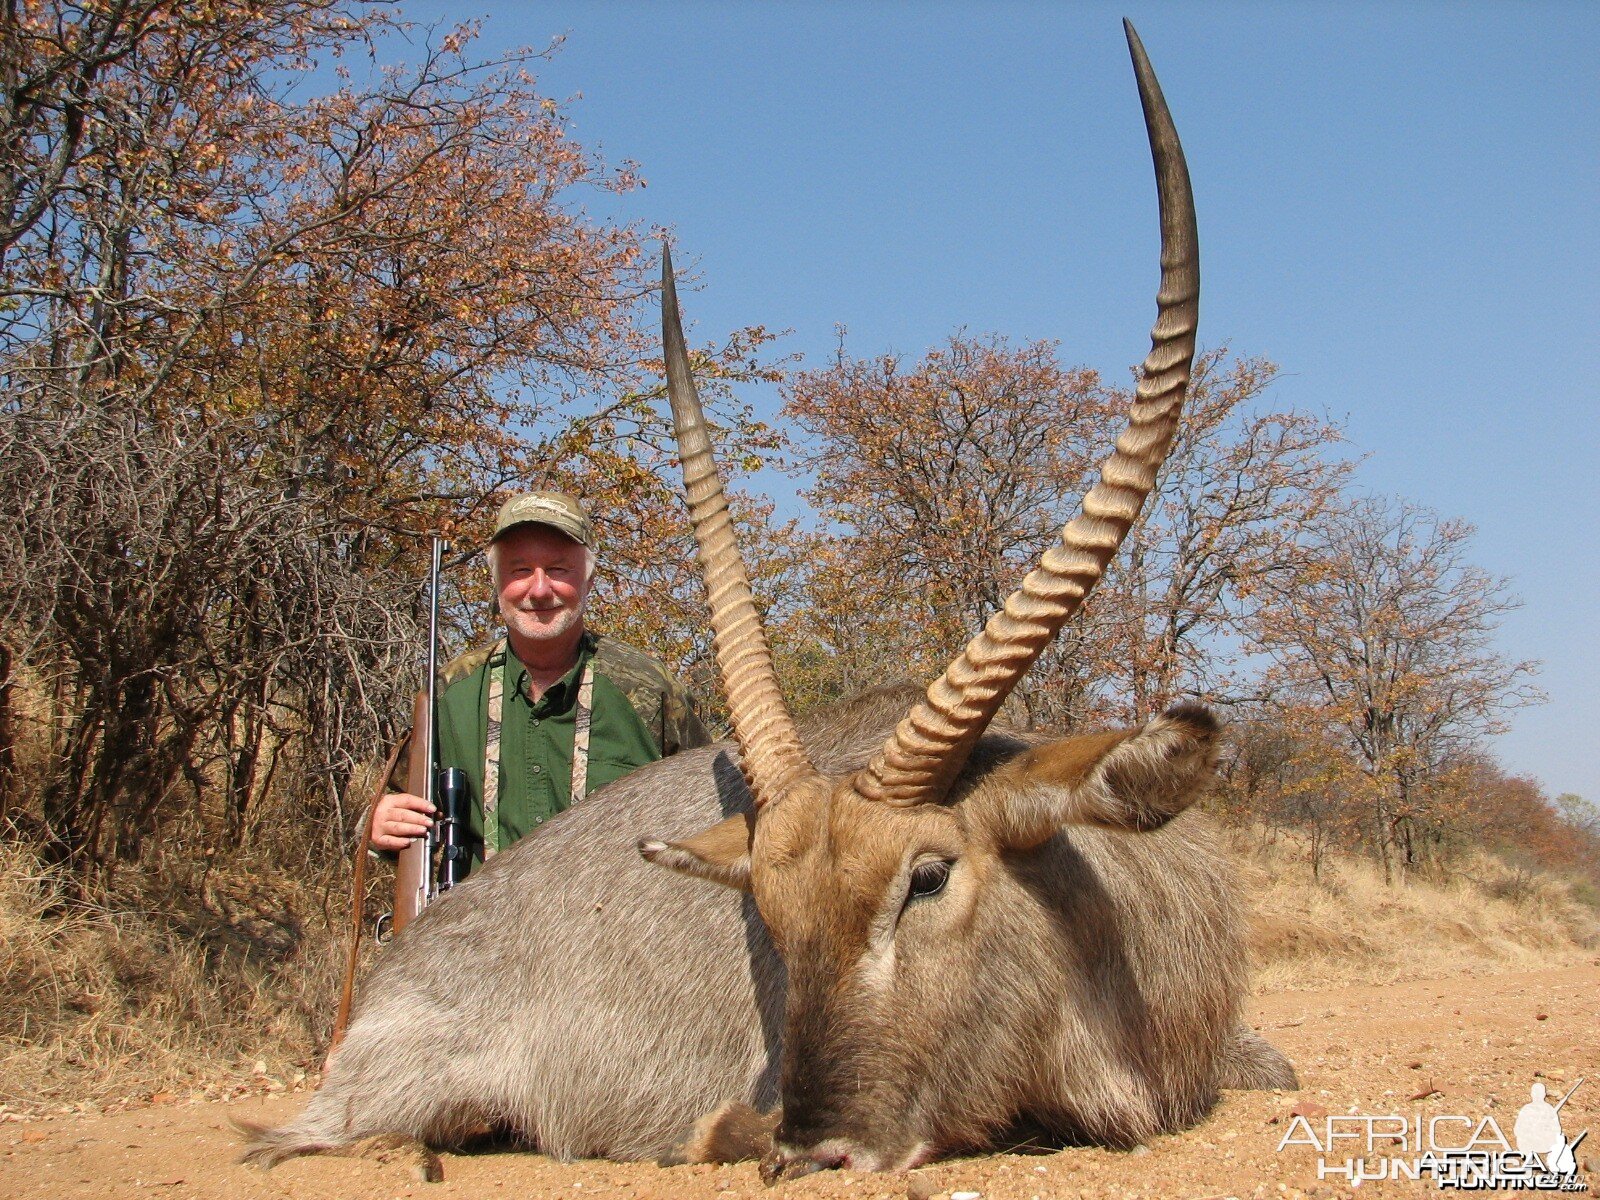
(931,935)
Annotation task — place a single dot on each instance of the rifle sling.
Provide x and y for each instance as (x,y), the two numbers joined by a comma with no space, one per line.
(583,722)
(358,898)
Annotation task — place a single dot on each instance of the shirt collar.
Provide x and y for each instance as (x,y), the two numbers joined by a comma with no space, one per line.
(560,695)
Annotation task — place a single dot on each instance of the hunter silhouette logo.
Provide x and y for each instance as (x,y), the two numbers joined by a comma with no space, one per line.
(1458,1152)
(1538,1132)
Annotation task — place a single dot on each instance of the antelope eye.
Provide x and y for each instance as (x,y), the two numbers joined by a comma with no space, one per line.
(928,879)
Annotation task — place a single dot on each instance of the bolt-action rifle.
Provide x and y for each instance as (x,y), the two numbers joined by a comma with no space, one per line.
(416,882)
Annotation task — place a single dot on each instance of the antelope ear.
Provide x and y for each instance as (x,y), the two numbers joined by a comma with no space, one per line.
(720,854)
(1134,781)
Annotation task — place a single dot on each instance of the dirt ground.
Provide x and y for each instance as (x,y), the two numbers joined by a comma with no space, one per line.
(1466,1046)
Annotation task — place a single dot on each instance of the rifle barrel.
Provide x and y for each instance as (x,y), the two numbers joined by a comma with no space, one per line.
(431,794)
(1570,1090)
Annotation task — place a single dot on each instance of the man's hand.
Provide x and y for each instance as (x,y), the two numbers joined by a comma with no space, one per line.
(400,818)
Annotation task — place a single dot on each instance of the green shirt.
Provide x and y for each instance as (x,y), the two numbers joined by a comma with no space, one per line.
(641,713)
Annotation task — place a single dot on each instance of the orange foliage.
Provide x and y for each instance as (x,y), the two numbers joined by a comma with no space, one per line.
(939,484)
(263,345)
(942,484)
(1383,630)
(1241,482)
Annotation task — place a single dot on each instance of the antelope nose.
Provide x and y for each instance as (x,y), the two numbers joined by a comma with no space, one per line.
(786,1162)
(780,1165)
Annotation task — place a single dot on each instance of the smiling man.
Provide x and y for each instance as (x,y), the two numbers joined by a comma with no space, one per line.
(551,711)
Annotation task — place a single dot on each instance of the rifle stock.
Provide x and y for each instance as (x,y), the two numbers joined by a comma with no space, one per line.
(414,884)
(414,863)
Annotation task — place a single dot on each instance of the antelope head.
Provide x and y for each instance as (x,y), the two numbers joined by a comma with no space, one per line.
(893,895)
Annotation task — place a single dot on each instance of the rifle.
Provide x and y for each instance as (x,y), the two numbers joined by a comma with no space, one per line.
(415,883)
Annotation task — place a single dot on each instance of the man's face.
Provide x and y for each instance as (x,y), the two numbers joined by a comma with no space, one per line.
(543,581)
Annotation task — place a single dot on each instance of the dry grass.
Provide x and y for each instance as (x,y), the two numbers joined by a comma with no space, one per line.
(1347,926)
(198,990)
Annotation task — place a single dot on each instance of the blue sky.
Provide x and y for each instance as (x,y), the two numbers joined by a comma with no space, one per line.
(1397,203)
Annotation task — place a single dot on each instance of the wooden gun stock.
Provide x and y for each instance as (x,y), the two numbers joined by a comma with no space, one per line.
(412,869)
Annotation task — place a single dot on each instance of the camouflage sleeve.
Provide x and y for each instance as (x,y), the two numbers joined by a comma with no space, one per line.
(452,672)
(680,723)
(662,702)
(462,665)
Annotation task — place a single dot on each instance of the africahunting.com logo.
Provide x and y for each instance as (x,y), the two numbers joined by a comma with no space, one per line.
(1460,1152)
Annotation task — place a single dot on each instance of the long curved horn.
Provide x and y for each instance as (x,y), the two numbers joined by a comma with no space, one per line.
(769,745)
(928,749)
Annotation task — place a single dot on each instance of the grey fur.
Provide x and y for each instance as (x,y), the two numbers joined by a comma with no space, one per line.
(599,1006)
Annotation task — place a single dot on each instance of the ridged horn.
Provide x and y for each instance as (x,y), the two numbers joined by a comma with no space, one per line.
(928,749)
(769,746)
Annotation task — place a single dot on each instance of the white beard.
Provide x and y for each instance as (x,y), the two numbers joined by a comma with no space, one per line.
(539,626)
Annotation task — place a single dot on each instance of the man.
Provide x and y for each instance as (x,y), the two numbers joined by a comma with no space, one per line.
(550,712)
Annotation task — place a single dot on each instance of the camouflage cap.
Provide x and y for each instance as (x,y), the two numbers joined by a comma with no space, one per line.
(558,510)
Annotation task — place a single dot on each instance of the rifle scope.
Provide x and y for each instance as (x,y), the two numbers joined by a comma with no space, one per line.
(452,804)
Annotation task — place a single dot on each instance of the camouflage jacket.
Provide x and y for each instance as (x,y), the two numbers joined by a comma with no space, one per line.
(641,712)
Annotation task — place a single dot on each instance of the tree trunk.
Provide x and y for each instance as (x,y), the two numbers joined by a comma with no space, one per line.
(67,819)
(1381,835)
(244,762)
(8,759)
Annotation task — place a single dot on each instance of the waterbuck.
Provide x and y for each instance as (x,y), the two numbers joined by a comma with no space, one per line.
(929,935)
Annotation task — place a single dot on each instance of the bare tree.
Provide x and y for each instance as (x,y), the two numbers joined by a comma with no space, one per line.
(1387,628)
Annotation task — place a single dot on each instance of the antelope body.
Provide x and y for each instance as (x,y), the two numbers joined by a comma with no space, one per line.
(926,935)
